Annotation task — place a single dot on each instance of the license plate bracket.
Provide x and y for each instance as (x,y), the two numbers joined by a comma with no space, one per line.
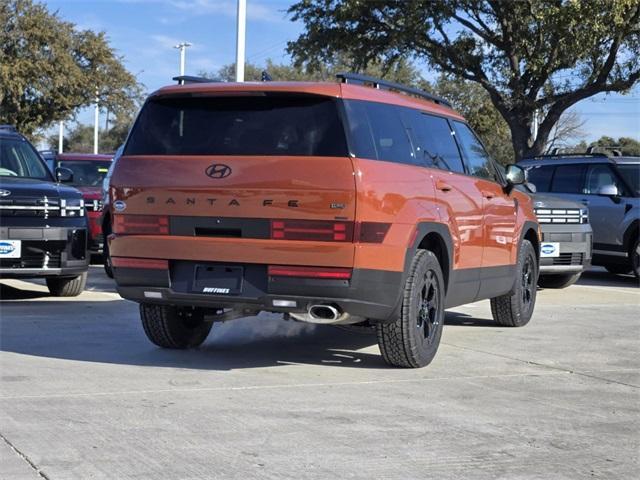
(218,279)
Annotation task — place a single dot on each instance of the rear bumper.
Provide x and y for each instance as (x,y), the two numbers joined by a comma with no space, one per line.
(373,294)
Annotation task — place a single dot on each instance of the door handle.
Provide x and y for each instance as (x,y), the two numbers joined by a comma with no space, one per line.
(445,187)
(488,195)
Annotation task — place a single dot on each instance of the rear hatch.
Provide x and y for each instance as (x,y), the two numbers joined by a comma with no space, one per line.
(235,169)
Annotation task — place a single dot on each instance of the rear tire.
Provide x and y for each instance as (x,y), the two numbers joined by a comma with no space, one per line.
(515,308)
(558,281)
(106,257)
(67,286)
(635,258)
(171,327)
(412,340)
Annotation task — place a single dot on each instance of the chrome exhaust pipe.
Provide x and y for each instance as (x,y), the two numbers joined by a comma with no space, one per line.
(327,313)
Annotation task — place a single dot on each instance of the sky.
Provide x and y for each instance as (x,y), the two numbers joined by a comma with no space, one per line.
(144,32)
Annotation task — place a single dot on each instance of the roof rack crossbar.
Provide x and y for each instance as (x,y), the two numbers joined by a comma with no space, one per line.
(182,79)
(379,83)
(558,155)
(11,128)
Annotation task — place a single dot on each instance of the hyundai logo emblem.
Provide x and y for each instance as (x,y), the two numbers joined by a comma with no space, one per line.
(119,205)
(4,193)
(218,170)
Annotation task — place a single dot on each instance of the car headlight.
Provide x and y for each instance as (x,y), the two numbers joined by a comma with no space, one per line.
(72,207)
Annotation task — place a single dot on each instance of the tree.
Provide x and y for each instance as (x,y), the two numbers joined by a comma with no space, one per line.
(626,145)
(79,138)
(49,69)
(528,55)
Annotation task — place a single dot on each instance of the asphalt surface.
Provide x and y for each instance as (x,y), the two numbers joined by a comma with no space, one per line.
(84,395)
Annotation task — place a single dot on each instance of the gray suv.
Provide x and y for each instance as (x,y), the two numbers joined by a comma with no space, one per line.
(610,188)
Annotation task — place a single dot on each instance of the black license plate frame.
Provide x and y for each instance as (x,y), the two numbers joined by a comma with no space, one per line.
(218,279)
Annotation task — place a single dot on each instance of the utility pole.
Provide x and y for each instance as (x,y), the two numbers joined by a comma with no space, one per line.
(182,46)
(60,136)
(534,127)
(96,118)
(240,37)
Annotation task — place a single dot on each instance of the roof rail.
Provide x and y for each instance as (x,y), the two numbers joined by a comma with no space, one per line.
(182,79)
(378,83)
(559,155)
(11,128)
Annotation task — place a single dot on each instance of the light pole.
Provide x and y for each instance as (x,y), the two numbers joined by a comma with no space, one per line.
(96,118)
(60,136)
(240,36)
(182,46)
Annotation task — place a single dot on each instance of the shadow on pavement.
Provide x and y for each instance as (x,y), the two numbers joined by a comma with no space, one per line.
(7,292)
(110,332)
(602,278)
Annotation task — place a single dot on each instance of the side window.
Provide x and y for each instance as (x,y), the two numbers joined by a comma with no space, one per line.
(568,179)
(475,156)
(377,132)
(540,176)
(597,177)
(389,135)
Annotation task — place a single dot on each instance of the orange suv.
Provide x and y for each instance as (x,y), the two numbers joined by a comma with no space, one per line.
(333,203)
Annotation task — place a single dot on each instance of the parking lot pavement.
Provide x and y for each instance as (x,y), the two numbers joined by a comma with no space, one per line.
(83,394)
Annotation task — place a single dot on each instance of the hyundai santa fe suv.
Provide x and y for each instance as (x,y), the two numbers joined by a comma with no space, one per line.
(43,227)
(610,188)
(333,203)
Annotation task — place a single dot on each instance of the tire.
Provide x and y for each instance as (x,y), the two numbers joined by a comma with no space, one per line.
(67,286)
(515,308)
(412,340)
(106,260)
(171,327)
(634,254)
(618,269)
(558,281)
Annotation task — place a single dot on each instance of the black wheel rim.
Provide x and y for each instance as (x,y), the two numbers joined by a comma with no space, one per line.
(528,283)
(428,305)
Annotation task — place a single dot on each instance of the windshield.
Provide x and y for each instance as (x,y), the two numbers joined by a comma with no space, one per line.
(245,125)
(19,159)
(86,173)
(631,173)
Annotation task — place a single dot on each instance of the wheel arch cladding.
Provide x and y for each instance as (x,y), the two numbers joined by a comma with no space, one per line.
(436,238)
(630,235)
(530,233)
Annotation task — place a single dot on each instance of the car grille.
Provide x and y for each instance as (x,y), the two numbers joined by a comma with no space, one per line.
(37,254)
(562,215)
(569,259)
(30,207)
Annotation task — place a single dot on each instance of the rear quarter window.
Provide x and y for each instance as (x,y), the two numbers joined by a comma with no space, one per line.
(240,125)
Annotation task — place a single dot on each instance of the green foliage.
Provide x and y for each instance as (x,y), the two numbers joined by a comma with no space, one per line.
(528,55)
(49,69)
(79,138)
(627,146)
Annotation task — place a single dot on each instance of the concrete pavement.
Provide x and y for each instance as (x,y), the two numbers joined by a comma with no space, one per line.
(83,394)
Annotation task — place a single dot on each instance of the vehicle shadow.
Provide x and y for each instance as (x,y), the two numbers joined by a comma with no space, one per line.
(465,320)
(601,278)
(7,292)
(110,332)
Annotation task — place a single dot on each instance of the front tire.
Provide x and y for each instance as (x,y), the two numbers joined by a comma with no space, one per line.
(412,340)
(514,309)
(558,281)
(618,269)
(171,327)
(106,259)
(635,258)
(67,286)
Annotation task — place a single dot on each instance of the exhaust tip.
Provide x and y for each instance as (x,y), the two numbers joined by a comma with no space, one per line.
(324,312)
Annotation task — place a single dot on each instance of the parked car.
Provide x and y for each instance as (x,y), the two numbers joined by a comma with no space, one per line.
(88,172)
(43,227)
(610,188)
(565,250)
(334,203)
(105,217)
(49,157)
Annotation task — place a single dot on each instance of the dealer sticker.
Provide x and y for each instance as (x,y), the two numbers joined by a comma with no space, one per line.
(550,250)
(10,248)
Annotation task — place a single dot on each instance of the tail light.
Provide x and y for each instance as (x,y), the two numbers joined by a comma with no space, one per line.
(318,230)
(140,224)
(149,263)
(310,272)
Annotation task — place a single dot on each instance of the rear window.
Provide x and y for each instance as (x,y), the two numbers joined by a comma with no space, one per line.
(239,125)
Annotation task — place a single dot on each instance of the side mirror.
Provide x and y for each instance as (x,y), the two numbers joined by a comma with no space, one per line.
(608,190)
(515,175)
(64,175)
